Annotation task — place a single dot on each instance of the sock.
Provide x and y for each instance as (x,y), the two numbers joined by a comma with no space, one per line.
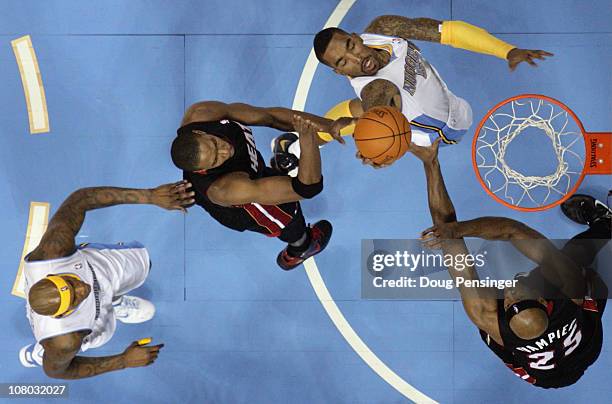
(296,248)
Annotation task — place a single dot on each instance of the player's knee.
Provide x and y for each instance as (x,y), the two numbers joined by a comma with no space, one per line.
(307,191)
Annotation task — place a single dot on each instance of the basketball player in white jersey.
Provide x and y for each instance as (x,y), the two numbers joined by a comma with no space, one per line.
(385,68)
(76,294)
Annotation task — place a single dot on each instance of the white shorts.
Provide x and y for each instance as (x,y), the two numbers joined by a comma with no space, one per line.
(124,265)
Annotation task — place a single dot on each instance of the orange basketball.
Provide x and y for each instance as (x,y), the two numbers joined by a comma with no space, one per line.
(382,135)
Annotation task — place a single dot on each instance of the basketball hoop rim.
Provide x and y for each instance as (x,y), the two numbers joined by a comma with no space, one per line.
(475,140)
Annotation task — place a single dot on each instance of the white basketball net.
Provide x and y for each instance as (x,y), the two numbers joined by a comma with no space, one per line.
(503,126)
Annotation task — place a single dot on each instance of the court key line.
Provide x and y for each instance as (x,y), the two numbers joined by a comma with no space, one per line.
(31,80)
(314,276)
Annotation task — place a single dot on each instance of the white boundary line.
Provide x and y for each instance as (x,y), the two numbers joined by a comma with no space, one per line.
(314,276)
(37,224)
(32,84)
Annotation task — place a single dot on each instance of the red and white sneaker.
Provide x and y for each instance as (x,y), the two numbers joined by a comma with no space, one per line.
(320,233)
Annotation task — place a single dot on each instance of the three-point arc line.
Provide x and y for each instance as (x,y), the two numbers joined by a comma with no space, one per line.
(314,276)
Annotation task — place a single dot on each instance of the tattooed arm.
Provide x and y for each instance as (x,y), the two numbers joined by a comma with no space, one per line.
(422,29)
(60,360)
(58,240)
(380,92)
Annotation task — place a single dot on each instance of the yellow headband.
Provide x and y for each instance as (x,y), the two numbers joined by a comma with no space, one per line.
(64,292)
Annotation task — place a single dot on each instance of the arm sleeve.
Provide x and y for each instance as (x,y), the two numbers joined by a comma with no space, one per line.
(459,34)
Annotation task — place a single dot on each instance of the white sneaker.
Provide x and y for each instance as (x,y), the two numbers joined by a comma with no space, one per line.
(31,356)
(133,310)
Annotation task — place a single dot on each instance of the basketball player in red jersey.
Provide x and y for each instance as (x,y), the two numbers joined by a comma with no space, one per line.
(547,328)
(217,153)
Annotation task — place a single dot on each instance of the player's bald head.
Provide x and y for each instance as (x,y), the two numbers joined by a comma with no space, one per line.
(44,298)
(525,311)
(529,323)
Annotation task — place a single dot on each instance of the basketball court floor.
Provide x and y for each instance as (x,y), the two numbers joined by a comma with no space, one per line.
(117,76)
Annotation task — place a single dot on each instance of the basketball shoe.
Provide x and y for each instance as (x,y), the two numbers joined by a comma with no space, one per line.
(282,159)
(133,310)
(584,209)
(320,233)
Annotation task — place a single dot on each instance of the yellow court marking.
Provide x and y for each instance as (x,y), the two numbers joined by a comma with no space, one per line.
(314,276)
(32,84)
(37,225)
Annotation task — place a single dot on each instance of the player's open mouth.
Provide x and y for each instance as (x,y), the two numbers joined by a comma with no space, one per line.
(368,65)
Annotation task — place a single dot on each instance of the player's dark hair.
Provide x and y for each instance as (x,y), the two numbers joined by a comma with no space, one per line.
(185,152)
(322,39)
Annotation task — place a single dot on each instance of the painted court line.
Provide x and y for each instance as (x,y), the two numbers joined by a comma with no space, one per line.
(37,224)
(32,84)
(314,276)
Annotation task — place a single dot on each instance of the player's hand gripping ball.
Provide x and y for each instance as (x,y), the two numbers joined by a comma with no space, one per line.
(382,135)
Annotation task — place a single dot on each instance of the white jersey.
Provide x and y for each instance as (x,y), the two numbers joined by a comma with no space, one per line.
(426,100)
(110,270)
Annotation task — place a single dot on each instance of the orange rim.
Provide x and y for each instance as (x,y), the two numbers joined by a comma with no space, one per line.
(484,185)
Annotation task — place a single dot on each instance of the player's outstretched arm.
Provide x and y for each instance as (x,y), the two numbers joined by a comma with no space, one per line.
(238,188)
(554,266)
(275,117)
(58,240)
(479,303)
(60,360)
(458,34)
(440,205)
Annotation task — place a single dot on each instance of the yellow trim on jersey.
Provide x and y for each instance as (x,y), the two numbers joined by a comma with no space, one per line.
(434,128)
(387,47)
(460,34)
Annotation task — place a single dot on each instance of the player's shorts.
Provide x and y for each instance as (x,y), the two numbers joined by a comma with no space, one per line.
(125,265)
(425,129)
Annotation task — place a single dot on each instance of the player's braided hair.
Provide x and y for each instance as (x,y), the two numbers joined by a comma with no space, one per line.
(322,39)
(185,152)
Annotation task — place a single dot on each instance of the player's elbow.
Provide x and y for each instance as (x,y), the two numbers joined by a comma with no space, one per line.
(53,374)
(78,196)
(515,230)
(307,191)
(220,195)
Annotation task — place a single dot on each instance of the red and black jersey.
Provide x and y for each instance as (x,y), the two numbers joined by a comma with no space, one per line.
(559,357)
(267,219)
